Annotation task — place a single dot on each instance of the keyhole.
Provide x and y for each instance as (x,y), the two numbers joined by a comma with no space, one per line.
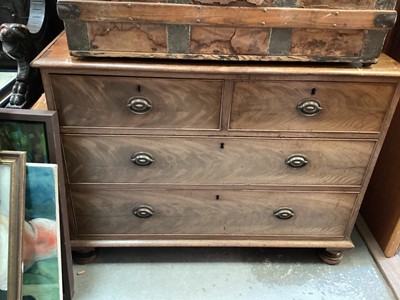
(222,145)
(313,91)
(139,88)
(216,197)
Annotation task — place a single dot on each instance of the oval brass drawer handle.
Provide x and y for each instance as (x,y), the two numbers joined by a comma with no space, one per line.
(143,211)
(142,159)
(139,105)
(296,161)
(284,213)
(309,107)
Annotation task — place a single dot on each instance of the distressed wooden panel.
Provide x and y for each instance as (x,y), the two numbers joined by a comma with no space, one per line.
(229,41)
(306,30)
(192,160)
(314,42)
(134,37)
(347,106)
(385,68)
(241,3)
(166,13)
(338,4)
(102,101)
(250,213)
(342,4)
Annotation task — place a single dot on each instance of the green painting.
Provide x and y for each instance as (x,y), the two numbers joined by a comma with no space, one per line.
(25,136)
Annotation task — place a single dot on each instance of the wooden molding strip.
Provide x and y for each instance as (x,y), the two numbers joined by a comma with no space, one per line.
(165,242)
(275,17)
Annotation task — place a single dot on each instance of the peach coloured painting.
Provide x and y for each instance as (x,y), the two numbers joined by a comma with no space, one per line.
(5,177)
(42,257)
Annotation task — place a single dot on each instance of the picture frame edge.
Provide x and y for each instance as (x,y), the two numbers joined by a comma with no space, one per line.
(17,161)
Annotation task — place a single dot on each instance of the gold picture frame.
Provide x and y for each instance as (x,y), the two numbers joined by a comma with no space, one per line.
(12,211)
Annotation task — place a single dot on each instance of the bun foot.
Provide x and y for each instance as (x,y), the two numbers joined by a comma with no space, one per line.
(331,257)
(367,65)
(83,256)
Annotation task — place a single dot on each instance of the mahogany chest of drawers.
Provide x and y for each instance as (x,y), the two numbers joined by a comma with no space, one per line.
(162,153)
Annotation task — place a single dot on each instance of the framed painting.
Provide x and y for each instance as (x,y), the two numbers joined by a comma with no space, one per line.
(30,131)
(42,277)
(12,203)
(37,133)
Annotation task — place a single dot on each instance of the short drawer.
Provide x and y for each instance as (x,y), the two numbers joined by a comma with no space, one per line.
(310,106)
(137,102)
(208,212)
(195,160)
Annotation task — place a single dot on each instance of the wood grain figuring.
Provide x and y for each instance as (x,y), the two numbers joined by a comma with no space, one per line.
(326,43)
(118,36)
(101,211)
(262,105)
(212,40)
(191,160)
(102,101)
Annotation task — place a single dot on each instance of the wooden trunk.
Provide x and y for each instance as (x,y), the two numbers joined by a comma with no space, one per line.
(259,30)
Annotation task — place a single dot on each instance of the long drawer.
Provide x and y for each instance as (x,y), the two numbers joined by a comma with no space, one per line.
(211,212)
(310,106)
(112,101)
(194,160)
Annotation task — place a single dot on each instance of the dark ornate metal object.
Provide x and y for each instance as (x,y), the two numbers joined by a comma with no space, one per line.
(12,11)
(27,26)
(18,44)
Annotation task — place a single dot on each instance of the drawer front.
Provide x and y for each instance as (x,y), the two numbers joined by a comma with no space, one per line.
(119,211)
(177,160)
(137,102)
(310,106)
